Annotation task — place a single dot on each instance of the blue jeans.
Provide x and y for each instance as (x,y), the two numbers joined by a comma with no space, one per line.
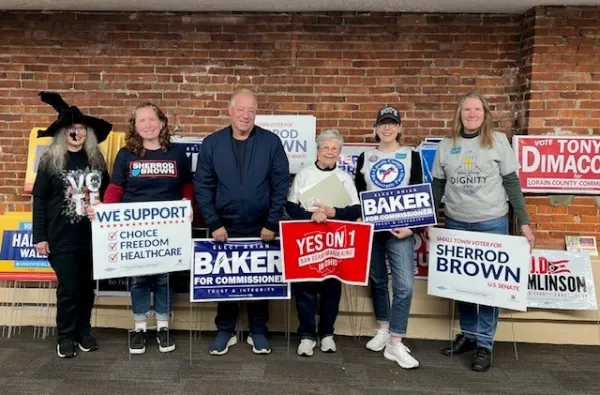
(479,322)
(307,300)
(141,287)
(401,256)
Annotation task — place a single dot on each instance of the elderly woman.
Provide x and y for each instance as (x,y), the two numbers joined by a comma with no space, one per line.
(329,145)
(72,176)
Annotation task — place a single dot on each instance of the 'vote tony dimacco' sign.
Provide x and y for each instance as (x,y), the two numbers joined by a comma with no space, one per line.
(476,267)
(136,239)
(238,269)
(334,249)
(404,207)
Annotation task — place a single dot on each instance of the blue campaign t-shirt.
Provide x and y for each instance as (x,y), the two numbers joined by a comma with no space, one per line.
(156,176)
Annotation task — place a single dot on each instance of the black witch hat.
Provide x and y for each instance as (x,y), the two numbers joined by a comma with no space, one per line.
(68,115)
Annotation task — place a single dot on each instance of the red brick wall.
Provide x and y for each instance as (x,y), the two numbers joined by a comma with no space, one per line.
(561,88)
(340,67)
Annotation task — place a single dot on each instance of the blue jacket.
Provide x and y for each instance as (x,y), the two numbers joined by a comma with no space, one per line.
(243,209)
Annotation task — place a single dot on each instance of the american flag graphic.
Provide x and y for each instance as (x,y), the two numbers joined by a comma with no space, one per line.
(558,267)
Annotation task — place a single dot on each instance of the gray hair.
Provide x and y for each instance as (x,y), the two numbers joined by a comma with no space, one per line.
(245,92)
(55,158)
(330,134)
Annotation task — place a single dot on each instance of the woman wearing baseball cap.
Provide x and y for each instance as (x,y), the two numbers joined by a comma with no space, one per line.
(71,177)
(388,166)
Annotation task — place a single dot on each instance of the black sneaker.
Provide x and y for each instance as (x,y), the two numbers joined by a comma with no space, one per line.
(165,341)
(460,345)
(137,341)
(87,343)
(482,360)
(66,349)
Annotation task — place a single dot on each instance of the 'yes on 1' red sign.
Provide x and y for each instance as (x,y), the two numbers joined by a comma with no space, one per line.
(334,249)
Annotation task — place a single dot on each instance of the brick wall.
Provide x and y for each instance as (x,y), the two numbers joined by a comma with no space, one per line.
(560,82)
(340,67)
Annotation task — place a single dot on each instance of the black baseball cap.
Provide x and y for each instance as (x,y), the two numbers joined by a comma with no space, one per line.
(388,113)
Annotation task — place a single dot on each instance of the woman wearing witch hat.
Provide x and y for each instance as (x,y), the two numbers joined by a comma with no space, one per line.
(71,176)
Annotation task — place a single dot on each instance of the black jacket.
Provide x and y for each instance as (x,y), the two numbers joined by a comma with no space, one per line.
(243,207)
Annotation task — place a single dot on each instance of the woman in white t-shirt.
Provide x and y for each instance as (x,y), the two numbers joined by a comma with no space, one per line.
(388,166)
(329,146)
(475,171)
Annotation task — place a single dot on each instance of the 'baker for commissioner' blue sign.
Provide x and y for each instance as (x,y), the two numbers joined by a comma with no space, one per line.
(238,269)
(404,207)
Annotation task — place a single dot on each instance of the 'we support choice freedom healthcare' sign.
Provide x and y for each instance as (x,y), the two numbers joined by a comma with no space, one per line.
(239,269)
(482,268)
(136,239)
(334,249)
(404,207)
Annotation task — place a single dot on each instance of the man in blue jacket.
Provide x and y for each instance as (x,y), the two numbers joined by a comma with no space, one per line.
(241,184)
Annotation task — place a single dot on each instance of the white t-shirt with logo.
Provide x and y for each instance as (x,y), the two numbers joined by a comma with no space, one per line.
(386,170)
(474,190)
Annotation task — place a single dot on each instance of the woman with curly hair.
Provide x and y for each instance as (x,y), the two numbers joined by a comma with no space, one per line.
(71,176)
(149,169)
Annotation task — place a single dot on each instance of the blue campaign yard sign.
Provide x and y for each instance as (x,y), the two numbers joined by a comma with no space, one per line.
(238,269)
(191,149)
(404,207)
(427,154)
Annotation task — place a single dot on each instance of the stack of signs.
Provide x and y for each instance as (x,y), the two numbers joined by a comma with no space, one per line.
(297,134)
(561,280)
(191,146)
(19,259)
(427,150)
(348,158)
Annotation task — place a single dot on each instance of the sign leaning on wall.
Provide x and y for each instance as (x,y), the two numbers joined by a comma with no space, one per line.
(297,134)
(558,164)
(19,259)
(561,280)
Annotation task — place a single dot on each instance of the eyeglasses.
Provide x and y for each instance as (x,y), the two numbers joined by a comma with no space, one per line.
(80,129)
(387,125)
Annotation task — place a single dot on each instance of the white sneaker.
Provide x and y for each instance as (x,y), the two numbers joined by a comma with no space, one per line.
(328,344)
(381,339)
(306,347)
(400,353)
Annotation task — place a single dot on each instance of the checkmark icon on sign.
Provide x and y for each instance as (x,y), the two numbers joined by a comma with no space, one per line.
(113,235)
(113,246)
(113,257)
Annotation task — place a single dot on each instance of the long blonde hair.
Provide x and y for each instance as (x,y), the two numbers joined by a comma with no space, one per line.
(55,158)
(486,132)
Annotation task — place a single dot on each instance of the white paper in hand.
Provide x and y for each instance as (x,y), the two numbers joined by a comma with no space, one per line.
(329,191)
